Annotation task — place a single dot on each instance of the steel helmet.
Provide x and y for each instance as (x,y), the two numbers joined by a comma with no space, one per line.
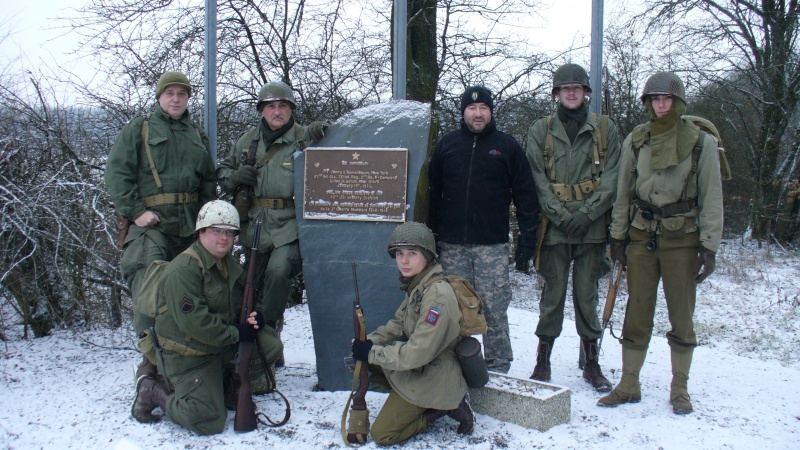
(275,91)
(570,74)
(171,78)
(412,234)
(664,83)
(218,214)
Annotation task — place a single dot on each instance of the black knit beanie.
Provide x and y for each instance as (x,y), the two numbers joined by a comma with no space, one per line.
(476,94)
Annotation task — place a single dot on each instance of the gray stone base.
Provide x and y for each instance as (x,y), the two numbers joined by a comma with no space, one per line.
(528,403)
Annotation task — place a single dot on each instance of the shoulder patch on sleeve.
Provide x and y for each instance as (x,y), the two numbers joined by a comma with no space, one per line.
(187,304)
(433,315)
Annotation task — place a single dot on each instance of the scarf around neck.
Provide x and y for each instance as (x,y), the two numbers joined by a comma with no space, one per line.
(573,119)
(269,135)
(671,138)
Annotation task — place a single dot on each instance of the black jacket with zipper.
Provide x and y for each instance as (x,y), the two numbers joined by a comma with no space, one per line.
(473,179)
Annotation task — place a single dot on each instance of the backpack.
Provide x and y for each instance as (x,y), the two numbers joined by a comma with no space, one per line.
(469,303)
(706,127)
(147,299)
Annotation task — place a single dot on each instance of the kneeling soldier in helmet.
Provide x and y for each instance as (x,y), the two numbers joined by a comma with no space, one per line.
(199,302)
(415,350)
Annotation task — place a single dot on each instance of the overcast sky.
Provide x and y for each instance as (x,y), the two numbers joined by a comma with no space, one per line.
(29,33)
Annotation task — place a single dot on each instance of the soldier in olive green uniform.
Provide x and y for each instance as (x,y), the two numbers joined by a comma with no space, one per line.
(574,157)
(415,350)
(669,207)
(199,303)
(158,174)
(270,182)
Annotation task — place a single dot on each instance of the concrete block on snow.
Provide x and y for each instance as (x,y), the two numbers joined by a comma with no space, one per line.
(528,403)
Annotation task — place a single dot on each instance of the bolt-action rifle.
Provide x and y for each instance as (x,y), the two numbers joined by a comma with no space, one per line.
(611,299)
(358,426)
(245,419)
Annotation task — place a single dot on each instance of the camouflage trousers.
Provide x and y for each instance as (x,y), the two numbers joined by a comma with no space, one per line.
(486,268)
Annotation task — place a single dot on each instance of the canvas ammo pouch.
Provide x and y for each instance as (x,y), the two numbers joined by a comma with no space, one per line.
(673,227)
(473,367)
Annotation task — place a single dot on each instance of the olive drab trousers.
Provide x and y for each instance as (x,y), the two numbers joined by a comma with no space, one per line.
(397,421)
(275,271)
(142,247)
(589,264)
(197,402)
(672,262)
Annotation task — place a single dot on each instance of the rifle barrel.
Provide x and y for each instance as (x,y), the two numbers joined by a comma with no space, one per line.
(245,419)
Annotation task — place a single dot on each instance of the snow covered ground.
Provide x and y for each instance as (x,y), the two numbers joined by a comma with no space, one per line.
(74,390)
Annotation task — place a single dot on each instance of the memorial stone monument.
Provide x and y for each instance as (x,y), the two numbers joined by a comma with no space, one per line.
(352,189)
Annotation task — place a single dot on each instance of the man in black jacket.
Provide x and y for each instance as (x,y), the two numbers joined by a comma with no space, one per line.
(474,174)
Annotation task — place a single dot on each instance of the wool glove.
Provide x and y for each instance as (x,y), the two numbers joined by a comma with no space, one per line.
(526,248)
(361,350)
(244,175)
(618,252)
(260,321)
(707,260)
(246,332)
(577,225)
(316,130)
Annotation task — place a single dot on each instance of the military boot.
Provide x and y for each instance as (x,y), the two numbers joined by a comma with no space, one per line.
(541,372)
(678,392)
(146,369)
(463,414)
(591,369)
(431,415)
(149,395)
(628,390)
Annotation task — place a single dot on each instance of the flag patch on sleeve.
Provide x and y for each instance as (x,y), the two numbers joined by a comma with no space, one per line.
(433,315)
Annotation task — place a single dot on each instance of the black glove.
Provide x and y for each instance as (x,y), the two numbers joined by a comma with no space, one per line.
(707,260)
(246,332)
(577,225)
(618,252)
(244,175)
(260,320)
(316,130)
(526,248)
(361,350)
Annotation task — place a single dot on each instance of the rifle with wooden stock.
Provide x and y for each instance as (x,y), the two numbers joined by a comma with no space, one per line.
(245,419)
(611,299)
(358,426)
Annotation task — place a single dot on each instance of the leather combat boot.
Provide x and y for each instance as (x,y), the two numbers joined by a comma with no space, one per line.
(149,394)
(541,372)
(145,369)
(628,390)
(678,392)
(463,414)
(591,369)
(432,415)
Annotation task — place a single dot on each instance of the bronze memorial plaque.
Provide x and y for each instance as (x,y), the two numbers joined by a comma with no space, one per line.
(362,184)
